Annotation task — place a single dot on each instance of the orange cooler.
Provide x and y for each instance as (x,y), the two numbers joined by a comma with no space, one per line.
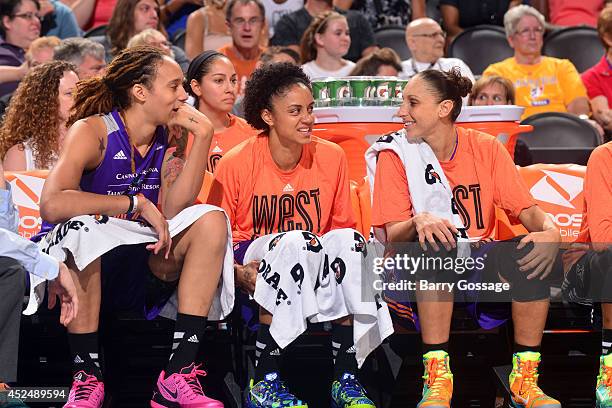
(354,128)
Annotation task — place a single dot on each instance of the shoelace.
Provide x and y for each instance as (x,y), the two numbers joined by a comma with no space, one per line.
(191,379)
(434,372)
(529,374)
(83,390)
(607,377)
(351,388)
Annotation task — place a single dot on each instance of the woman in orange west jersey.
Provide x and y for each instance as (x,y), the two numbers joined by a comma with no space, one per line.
(589,262)
(211,81)
(481,175)
(287,195)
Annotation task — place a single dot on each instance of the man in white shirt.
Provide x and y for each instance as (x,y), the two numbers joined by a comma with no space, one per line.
(18,255)
(425,39)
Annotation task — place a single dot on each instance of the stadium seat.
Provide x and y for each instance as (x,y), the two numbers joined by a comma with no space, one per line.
(178,39)
(560,138)
(557,189)
(395,38)
(580,45)
(96,31)
(27,188)
(480,46)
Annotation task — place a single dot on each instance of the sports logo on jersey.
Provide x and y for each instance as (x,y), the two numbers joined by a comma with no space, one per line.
(217,149)
(312,242)
(274,241)
(339,268)
(536,91)
(120,155)
(431,176)
(557,188)
(288,188)
(101,219)
(360,244)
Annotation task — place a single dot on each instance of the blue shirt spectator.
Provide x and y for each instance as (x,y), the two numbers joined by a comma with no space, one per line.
(61,22)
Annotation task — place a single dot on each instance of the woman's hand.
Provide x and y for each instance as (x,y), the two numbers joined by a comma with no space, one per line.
(193,120)
(541,258)
(153,216)
(429,227)
(246,276)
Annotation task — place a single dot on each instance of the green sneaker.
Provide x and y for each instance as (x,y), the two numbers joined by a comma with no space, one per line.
(271,392)
(348,393)
(438,385)
(603,391)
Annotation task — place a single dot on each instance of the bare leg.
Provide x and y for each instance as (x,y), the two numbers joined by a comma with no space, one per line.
(435,314)
(89,292)
(529,320)
(606,311)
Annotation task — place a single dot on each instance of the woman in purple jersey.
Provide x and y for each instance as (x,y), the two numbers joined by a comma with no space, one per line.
(111,165)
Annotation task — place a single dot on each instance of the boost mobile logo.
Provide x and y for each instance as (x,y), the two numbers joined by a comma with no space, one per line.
(557,188)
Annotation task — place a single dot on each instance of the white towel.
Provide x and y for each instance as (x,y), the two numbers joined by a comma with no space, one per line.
(304,278)
(88,237)
(427,183)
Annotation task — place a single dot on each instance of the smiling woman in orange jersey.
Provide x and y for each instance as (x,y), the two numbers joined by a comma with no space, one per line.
(286,193)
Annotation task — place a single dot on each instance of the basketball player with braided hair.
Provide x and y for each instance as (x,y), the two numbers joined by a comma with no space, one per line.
(111,165)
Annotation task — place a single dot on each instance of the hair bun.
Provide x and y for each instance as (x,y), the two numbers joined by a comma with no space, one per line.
(463,84)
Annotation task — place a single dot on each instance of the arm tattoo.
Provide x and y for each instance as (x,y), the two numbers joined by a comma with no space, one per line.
(174,167)
(179,140)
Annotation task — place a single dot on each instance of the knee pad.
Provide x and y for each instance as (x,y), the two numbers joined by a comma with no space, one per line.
(505,262)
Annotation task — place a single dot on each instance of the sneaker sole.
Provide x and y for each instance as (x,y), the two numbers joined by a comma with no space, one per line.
(515,405)
(334,405)
(249,405)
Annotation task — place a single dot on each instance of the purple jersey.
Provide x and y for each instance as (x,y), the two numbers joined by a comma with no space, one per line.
(114,176)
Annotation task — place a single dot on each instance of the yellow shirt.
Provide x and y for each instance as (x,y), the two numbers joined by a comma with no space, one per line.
(548,86)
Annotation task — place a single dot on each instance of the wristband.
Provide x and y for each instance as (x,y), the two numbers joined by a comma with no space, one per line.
(135,209)
(131,207)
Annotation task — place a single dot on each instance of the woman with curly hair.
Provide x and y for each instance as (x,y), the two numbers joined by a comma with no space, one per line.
(286,193)
(324,43)
(34,127)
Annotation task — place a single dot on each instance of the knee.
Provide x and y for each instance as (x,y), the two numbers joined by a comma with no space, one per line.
(213,224)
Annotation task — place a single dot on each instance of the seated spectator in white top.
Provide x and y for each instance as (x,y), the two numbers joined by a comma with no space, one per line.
(382,62)
(425,39)
(86,55)
(275,9)
(34,126)
(324,43)
(19,26)
(290,28)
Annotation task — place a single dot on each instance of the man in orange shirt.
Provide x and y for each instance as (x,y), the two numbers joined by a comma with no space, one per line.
(245,19)
(588,277)
(477,174)
(287,196)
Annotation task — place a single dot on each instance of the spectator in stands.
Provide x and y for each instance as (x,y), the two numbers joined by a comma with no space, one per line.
(88,56)
(314,221)
(598,79)
(384,13)
(291,27)
(207,29)
(153,38)
(382,62)
(20,26)
(17,257)
(245,19)
(402,207)
(275,9)
(492,90)
(457,15)
(130,17)
(124,115)
(175,13)
(33,130)
(325,42)
(425,39)
(588,262)
(570,13)
(543,84)
(41,50)
(58,20)
(212,81)
(275,54)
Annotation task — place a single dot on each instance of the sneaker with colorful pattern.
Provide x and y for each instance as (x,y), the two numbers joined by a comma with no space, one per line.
(86,391)
(524,389)
(348,393)
(438,380)
(182,390)
(603,392)
(271,392)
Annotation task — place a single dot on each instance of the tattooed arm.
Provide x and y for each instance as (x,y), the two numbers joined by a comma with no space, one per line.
(174,160)
(83,150)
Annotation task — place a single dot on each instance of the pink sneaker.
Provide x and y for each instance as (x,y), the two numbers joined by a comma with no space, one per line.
(182,390)
(86,392)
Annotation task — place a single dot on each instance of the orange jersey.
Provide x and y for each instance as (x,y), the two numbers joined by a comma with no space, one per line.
(481,175)
(244,68)
(237,132)
(597,192)
(261,199)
